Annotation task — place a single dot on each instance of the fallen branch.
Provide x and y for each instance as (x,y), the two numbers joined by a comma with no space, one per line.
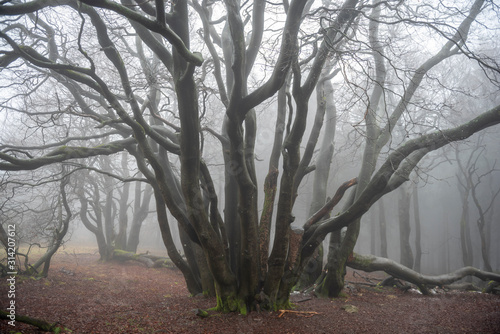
(362,283)
(330,204)
(151,261)
(41,324)
(122,255)
(371,263)
(304,313)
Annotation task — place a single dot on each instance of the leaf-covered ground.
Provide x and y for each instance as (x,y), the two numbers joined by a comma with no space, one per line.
(87,296)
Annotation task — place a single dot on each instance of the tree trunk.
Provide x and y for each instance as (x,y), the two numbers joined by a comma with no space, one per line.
(271,182)
(59,232)
(373,232)
(333,283)
(368,164)
(481,223)
(383,228)
(109,206)
(465,238)
(96,229)
(142,200)
(418,237)
(121,237)
(406,253)
(324,98)
(206,277)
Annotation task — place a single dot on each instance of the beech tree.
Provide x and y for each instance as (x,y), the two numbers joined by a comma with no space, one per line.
(469,180)
(154,78)
(38,212)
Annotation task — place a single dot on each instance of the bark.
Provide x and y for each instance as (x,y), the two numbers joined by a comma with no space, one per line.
(206,277)
(383,228)
(142,199)
(121,237)
(373,233)
(271,182)
(406,254)
(333,282)
(192,280)
(465,238)
(109,209)
(371,263)
(418,236)
(270,188)
(62,154)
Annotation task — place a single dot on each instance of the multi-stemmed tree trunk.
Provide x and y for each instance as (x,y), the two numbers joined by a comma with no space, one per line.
(327,110)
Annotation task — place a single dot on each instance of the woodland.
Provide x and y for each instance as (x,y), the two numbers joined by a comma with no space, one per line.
(267,146)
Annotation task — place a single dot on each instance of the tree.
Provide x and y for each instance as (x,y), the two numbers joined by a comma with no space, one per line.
(384,110)
(469,179)
(97,62)
(43,223)
(105,208)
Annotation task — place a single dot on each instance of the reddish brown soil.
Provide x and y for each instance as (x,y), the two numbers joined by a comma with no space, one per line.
(129,298)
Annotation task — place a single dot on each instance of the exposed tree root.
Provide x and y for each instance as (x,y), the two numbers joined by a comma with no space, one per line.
(371,263)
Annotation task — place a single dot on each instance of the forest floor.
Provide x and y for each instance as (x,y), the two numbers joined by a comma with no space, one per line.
(87,296)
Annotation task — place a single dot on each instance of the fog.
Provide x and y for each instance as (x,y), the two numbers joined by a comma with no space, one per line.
(438,190)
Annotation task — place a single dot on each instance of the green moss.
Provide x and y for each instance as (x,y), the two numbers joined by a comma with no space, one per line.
(342,295)
(231,304)
(364,261)
(281,305)
(119,252)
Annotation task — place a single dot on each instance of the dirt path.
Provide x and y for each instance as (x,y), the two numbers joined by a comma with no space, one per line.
(90,297)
